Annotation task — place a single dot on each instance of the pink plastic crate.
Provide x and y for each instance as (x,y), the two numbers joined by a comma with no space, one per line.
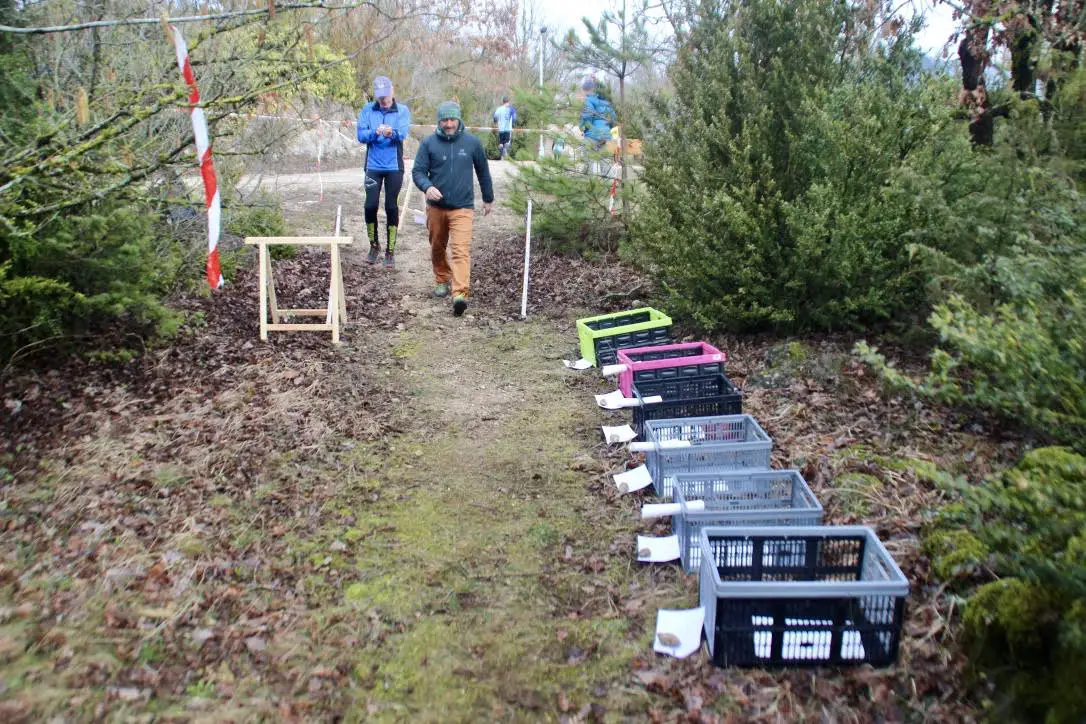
(689,359)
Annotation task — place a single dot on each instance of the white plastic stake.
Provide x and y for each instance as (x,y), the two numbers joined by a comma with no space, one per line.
(407,199)
(612,370)
(527,260)
(320,152)
(331,299)
(663,510)
(662,445)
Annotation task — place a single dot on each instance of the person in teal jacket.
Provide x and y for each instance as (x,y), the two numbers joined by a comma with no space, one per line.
(597,115)
(442,171)
(382,127)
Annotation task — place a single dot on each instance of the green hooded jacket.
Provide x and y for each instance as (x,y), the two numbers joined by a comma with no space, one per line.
(446,161)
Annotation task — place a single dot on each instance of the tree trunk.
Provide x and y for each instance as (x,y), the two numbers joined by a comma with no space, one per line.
(974,96)
(7,17)
(1024,61)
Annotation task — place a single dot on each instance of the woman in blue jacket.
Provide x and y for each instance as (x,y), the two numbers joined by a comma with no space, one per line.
(382,127)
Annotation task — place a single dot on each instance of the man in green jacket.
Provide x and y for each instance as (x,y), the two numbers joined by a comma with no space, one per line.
(442,171)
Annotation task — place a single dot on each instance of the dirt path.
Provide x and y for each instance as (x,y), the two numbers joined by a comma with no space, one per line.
(505,573)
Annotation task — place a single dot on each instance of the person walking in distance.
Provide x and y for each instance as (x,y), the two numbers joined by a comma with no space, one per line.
(597,115)
(442,170)
(505,116)
(382,127)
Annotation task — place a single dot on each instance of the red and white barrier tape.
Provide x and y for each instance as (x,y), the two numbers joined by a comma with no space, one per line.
(354,123)
(203,154)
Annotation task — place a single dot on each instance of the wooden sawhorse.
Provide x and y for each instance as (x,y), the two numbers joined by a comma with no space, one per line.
(334,315)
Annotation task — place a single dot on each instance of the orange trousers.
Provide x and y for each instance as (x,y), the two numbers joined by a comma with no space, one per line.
(450,247)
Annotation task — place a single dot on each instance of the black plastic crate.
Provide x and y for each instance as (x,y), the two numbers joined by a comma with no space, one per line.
(678,372)
(607,347)
(705,396)
(803,596)
(620,320)
(650,355)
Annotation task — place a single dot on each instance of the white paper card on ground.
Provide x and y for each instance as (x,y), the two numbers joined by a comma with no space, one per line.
(657,550)
(617,401)
(612,370)
(612,400)
(663,510)
(420,219)
(678,631)
(581,364)
(632,480)
(618,433)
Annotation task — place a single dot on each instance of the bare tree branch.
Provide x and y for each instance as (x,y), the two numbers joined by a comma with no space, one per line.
(318,5)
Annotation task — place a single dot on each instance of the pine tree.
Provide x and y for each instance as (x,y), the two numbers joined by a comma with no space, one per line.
(772,196)
(571,212)
(619,44)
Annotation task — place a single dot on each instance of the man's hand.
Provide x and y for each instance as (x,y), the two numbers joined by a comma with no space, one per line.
(487,208)
(383,130)
(433,194)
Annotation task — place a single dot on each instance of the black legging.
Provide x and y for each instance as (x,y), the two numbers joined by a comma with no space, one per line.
(393,181)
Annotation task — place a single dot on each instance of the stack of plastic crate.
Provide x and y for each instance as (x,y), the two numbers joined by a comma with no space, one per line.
(702,444)
(705,396)
(601,337)
(800,596)
(777,588)
(667,362)
(688,377)
(739,497)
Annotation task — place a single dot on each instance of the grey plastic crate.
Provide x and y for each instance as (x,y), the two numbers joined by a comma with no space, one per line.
(724,442)
(800,596)
(740,497)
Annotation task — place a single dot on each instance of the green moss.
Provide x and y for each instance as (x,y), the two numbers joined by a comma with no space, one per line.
(1054,462)
(191,545)
(797,353)
(515,657)
(856,492)
(1010,629)
(406,347)
(1025,630)
(954,553)
(169,476)
(356,593)
(1012,611)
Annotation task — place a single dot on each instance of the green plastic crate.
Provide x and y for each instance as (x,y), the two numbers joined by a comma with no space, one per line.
(592,330)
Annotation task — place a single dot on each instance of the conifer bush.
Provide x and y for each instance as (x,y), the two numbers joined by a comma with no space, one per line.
(1010,296)
(1016,545)
(781,192)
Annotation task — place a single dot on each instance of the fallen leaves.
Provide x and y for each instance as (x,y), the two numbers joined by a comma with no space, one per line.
(557,284)
(125,484)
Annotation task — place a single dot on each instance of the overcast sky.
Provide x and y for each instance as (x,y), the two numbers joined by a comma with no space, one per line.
(563,14)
